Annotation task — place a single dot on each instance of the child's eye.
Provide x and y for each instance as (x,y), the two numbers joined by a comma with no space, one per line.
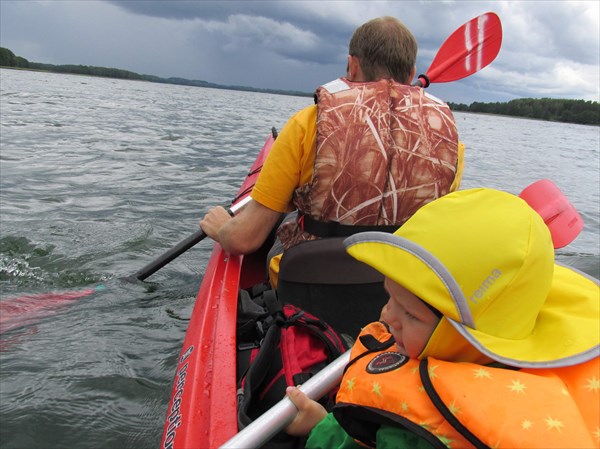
(410,315)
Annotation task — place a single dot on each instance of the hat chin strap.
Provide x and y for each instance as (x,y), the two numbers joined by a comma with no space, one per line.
(447,344)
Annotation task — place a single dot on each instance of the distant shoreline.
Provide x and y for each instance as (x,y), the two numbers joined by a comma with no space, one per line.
(547,109)
(175,81)
(9,60)
(521,117)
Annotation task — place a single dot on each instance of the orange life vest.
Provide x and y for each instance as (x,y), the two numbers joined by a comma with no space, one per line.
(383,150)
(464,405)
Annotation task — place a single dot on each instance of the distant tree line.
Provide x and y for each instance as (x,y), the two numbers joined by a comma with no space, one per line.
(571,111)
(9,59)
(556,110)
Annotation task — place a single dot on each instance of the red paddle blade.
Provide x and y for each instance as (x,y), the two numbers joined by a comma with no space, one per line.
(558,213)
(468,50)
(24,310)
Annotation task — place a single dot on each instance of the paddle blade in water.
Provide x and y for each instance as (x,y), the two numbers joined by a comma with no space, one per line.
(25,310)
(558,213)
(468,50)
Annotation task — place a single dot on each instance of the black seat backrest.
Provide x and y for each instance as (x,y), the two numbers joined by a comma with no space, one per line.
(320,277)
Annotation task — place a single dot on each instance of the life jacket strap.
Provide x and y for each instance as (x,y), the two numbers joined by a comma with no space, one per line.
(324,229)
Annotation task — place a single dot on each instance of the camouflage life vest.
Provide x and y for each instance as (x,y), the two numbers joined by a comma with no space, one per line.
(465,405)
(383,150)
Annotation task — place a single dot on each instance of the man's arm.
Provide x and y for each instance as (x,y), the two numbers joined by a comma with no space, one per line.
(245,232)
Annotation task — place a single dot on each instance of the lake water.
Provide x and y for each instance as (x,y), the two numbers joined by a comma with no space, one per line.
(99,177)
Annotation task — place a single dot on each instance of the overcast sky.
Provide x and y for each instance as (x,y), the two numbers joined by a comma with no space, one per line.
(549,49)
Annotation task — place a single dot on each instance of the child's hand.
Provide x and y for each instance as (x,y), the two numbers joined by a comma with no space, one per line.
(309,413)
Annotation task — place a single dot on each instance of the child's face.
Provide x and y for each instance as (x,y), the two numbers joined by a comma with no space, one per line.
(411,321)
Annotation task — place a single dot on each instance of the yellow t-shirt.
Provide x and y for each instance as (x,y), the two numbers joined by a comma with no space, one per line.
(290,162)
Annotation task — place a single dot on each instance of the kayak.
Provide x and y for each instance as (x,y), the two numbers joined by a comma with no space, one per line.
(319,277)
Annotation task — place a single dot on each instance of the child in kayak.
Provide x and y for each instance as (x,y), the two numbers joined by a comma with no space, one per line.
(485,341)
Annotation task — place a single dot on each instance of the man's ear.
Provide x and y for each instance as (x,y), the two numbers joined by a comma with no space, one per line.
(354,71)
(411,77)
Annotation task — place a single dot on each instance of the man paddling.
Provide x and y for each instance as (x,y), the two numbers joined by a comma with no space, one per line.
(369,154)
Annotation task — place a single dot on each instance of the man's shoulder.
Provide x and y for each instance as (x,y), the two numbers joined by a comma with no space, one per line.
(306,113)
(304,119)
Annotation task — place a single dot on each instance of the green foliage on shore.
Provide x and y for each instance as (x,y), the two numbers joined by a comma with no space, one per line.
(9,59)
(555,110)
(570,111)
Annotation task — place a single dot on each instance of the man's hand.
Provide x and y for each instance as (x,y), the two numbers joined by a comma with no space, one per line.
(310,413)
(244,233)
(213,221)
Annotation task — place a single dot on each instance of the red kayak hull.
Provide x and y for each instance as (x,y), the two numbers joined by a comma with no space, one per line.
(202,412)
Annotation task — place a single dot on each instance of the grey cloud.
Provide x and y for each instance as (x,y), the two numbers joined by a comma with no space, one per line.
(188,10)
(560,31)
(287,29)
(247,33)
(549,48)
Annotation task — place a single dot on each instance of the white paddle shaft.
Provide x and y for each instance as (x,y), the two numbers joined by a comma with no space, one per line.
(281,414)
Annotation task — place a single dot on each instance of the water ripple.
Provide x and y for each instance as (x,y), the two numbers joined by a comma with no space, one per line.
(100,176)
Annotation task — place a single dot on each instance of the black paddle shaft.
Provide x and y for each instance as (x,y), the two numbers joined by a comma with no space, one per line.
(168,256)
(178,249)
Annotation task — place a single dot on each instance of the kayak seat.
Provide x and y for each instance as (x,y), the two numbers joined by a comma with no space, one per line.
(320,277)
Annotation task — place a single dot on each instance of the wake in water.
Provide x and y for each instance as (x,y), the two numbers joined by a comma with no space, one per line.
(22,263)
(25,264)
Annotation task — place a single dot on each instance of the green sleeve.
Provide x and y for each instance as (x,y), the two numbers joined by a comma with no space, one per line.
(328,434)
(398,438)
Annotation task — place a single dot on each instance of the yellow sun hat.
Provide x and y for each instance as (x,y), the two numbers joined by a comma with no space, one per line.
(485,259)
